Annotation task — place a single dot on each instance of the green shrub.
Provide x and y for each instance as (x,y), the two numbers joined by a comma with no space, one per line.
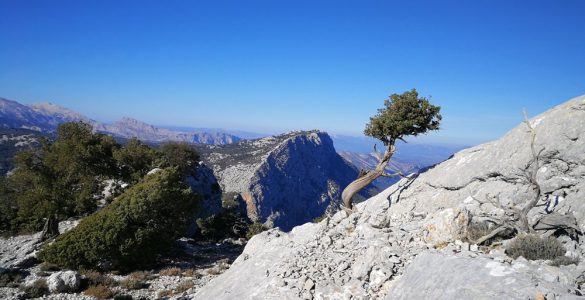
(11,277)
(534,247)
(58,179)
(135,159)
(37,289)
(179,154)
(254,229)
(223,225)
(132,231)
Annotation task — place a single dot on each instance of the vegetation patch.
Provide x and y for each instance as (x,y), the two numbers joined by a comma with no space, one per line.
(171,272)
(37,289)
(130,232)
(254,229)
(99,292)
(534,247)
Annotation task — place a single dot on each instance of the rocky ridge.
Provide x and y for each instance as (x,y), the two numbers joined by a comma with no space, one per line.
(396,244)
(45,117)
(267,174)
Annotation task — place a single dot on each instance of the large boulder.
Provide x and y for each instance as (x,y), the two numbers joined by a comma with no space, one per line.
(436,275)
(64,282)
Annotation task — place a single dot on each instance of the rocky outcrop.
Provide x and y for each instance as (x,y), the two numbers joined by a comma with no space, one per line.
(284,180)
(388,241)
(64,282)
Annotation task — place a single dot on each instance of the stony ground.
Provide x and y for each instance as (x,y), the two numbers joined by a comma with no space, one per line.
(176,279)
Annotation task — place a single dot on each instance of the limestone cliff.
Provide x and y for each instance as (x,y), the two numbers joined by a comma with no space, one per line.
(285,180)
(383,249)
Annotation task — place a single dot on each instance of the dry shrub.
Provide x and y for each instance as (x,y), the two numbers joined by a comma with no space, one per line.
(564,261)
(191,273)
(171,272)
(49,267)
(533,247)
(99,292)
(164,294)
(440,245)
(135,280)
(95,278)
(183,287)
(37,289)
(132,284)
(140,275)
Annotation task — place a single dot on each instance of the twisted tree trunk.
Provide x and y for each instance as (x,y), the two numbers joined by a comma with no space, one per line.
(367,178)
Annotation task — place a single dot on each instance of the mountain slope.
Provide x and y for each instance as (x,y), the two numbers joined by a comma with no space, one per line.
(383,249)
(45,117)
(283,180)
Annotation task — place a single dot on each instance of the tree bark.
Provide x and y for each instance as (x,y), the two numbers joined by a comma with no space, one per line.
(363,181)
(51,228)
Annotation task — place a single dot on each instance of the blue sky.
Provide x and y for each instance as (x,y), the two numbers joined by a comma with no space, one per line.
(273,66)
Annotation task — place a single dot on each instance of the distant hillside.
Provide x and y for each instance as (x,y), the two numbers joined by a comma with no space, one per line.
(45,117)
(12,141)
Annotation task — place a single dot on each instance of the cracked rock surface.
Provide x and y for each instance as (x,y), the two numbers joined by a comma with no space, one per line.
(384,249)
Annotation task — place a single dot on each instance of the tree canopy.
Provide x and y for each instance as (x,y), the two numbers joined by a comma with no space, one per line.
(403,115)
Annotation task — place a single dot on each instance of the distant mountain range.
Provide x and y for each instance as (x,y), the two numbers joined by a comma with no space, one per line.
(45,117)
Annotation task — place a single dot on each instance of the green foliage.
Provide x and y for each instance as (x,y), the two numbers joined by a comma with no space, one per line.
(181,155)
(219,226)
(130,232)
(403,114)
(59,178)
(254,229)
(534,247)
(135,159)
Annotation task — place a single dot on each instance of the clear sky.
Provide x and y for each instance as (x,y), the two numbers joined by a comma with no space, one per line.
(279,65)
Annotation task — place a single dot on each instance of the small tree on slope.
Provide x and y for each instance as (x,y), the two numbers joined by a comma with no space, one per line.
(403,115)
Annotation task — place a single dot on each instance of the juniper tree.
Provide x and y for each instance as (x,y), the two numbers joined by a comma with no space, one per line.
(403,115)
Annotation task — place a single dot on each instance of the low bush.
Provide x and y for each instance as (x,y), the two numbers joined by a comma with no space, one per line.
(132,284)
(11,278)
(99,292)
(183,287)
(132,231)
(223,225)
(254,229)
(171,272)
(533,247)
(37,289)
(48,267)
(564,261)
(95,278)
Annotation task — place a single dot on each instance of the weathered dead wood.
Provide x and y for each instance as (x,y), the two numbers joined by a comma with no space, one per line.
(50,229)
(368,177)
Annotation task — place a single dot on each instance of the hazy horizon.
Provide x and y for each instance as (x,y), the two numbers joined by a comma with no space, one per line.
(272,67)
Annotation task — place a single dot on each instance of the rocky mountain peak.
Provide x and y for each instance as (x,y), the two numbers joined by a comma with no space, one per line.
(404,243)
(267,174)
